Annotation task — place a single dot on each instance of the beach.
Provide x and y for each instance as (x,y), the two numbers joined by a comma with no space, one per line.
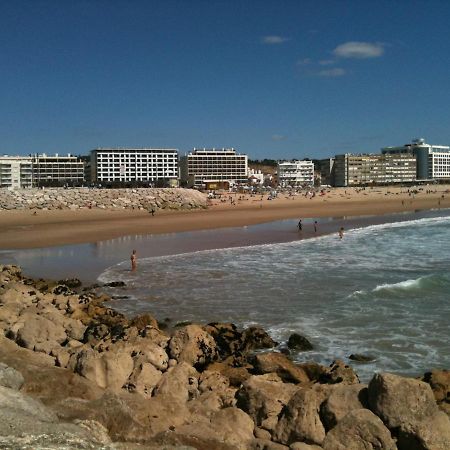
(21,229)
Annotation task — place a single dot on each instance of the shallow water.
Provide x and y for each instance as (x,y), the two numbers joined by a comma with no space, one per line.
(382,290)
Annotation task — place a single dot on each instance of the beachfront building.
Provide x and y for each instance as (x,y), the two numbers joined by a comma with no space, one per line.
(135,166)
(433,161)
(16,172)
(364,170)
(326,169)
(57,170)
(295,173)
(215,168)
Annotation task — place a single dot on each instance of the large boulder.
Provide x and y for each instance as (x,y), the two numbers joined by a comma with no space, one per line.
(298,342)
(400,401)
(280,364)
(300,419)
(359,429)
(193,345)
(439,380)
(10,377)
(342,399)
(263,397)
(339,372)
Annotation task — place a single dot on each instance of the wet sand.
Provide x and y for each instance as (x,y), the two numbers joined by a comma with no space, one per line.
(22,229)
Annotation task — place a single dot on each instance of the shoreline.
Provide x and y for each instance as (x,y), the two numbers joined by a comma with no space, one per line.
(24,230)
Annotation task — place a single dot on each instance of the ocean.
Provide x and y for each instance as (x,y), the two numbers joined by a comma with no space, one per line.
(383,290)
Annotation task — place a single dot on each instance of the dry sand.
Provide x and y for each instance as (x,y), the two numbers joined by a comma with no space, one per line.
(22,229)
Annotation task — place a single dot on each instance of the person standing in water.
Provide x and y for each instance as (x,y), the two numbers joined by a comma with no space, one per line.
(315,226)
(300,226)
(341,232)
(133,259)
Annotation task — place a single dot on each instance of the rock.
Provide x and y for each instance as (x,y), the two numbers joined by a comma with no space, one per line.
(439,380)
(145,380)
(256,338)
(303,446)
(298,342)
(10,378)
(71,282)
(359,429)
(342,399)
(400,401)
(179,382)
(263,397)
(361,358)
(339,372)
(261,433)
(227,337)
(143,321)
(432,433)
(115,284)
(300,420)
(278,363)
(235,375)
(267,444)
(193,345)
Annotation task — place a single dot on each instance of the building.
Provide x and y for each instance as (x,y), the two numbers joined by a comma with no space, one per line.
(16,172)
(136,166)
(57,170)
(433,161)
(295,173)
(326,169)
(364,170)
(215,168)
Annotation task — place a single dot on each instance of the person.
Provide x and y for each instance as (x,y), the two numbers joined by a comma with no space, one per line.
(133,259)
(315,226)
(300,226)
(341,232)
(152,211)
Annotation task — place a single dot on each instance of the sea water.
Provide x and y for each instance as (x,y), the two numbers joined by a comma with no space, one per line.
(382,291)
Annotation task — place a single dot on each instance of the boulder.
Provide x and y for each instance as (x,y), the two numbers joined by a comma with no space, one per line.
(359,429)
(400,401)
(342,399)
(281,365)
(256,338)
(144,380)
(10,378)
(267,444)
(303,446)
(263,397)
(193,345)
(361,358)
(339,372)
(300,419)
(439,380)
(299,343)
(235,375)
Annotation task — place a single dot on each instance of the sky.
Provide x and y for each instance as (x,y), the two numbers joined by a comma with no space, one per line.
(272,79)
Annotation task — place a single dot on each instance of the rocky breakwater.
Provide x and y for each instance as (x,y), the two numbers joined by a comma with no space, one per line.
(79,198)
(76,374)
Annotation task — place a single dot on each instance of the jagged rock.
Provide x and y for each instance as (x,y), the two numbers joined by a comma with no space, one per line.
(281,365)
(267,444)
(71,282)
(359,429)
(342,399)
(300,420)
(179,382)
(145,379)
(400,401)
(339,372)
(361,358)
(116,284)
(303,446)
(263,397)
(236,375)
(10,377)
(439,380)
(256,338)
(298,342)
(193,345)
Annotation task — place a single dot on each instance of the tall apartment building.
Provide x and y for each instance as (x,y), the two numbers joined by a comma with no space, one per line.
(295,173)
(326,169)
(57,170)
(215,168)
(155,166)
(16,172)
(363,170)
(433,161)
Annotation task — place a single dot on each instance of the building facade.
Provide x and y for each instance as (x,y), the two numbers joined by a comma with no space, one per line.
(364,170)
(433,161)
(16,172)
(295,173)
(57,170)
(141,166)
(215,168)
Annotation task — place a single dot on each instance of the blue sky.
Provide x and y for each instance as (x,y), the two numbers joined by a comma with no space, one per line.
(273,79)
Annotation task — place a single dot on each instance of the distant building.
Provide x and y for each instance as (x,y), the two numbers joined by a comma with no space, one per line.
(433,161)
(215,168)
(326,169)
(364,170)
(139,166)
(255,177)
(295,173)
(16,172)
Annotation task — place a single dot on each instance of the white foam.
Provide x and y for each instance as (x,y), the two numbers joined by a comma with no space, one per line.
(407,284)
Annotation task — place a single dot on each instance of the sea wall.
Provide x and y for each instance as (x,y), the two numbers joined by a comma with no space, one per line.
(76,374)
(78,198)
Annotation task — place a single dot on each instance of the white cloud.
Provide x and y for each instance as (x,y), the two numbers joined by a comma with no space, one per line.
(278,137)
(336,72)
(271,40)
(359,50)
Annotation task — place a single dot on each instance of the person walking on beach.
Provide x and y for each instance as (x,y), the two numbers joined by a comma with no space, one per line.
(315,226)
(133,259)
(341,232)
(300,226)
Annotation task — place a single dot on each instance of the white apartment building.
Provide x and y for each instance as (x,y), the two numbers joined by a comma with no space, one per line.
(16,172)
(140,165)
(433,161)
(216,168)
(295,173)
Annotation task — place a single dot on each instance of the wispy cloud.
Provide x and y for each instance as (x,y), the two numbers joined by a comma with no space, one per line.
(273,40)
(327,62)
(359,50)
(278,137)
(335,72)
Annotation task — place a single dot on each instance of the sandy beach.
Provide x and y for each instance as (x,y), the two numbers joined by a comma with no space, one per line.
(22,229)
